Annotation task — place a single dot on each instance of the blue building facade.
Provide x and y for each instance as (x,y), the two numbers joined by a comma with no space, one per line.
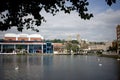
(48,47)
(28,46)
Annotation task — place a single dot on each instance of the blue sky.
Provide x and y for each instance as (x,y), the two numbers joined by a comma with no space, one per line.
(101,5)
(102,27)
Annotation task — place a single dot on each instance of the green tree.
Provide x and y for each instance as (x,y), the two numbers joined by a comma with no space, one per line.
(13,12)
(72,47)
(113,48)
(68,47)
(75,48)
(56,41)
(74,42)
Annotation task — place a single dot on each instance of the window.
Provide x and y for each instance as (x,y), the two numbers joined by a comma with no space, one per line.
(35,40)
(22,40)
(10,39)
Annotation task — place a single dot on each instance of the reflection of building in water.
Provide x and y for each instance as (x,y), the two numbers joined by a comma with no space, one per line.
(47,60)
(25,43)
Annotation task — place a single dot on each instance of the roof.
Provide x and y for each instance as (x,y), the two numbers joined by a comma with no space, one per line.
(36,36)
(10,35)
(23,35)
(57,44)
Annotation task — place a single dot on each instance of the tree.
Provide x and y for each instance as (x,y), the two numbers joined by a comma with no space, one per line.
(75,48)
(68,46)
(74,42)
(114,46)
(14,12)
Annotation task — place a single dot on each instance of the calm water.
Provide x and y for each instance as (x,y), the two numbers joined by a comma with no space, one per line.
(58,67)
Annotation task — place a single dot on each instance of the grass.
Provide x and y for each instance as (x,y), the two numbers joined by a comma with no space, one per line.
(110,56)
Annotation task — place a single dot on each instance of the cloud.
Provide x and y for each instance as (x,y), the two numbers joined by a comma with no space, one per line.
(100,28)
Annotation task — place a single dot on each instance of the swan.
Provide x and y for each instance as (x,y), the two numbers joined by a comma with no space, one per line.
(98,59)
(16,68)
(118,59)
(100,64)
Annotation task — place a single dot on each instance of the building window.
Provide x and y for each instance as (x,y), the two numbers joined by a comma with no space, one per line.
(22,40)
(35,40)
(10,39)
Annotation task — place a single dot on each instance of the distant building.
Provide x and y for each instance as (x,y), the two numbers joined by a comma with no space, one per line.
(118,38)
(104,46)
(69,38)
(23,42)
(114,44)
(84,44)
(58,47)
(78,38)
(96,47)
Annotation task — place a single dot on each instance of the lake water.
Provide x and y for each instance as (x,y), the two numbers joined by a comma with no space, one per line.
(58,67)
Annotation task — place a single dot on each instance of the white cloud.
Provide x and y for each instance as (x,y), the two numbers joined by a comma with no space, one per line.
(100,28)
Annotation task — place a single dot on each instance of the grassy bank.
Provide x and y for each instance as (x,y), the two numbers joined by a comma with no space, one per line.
(110,56)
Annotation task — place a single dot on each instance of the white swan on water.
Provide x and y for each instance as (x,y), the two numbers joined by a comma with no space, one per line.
(16,68)
(118,59)
(98,59)
(100,64)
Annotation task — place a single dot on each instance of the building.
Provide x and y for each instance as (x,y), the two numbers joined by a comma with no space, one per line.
(33,43)
(22,37)
(97,47)
(58,47)
(114,44)
(78,38)
(118,38)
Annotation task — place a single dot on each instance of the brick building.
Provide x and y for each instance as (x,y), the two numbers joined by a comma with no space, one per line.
(118,38)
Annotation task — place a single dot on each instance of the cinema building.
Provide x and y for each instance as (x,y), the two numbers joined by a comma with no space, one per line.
(34,43)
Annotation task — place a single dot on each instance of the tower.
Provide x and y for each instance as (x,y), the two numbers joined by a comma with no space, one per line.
(78,38)
(69,38)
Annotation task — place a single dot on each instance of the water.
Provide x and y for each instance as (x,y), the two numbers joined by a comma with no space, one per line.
(58,67)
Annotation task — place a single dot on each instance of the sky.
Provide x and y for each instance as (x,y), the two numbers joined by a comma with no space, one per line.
(102,27)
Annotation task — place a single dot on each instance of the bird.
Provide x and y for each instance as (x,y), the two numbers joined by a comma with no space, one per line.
(100,64)
(98,59)
(16,68)
(118,59)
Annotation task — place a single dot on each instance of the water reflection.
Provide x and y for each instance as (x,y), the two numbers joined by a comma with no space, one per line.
(47,60)
(58,67)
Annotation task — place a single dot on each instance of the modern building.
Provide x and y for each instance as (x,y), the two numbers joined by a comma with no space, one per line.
(118,38)
(22,37)
(33,43)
